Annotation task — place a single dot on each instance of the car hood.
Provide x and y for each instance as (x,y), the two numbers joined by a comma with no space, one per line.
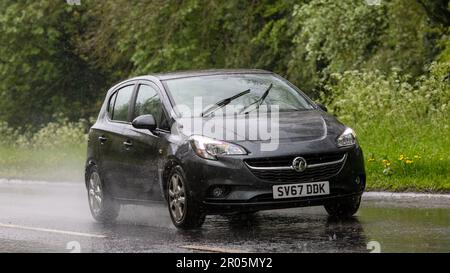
(290,126)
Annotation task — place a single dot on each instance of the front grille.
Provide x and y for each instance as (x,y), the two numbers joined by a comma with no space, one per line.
(333,164)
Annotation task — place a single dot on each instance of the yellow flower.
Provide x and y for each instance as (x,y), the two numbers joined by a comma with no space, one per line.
(409,161)
(386,163)
(401,157)
(371,160)
(417,157)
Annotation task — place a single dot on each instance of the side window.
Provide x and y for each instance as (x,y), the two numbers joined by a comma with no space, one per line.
(148,102)
(112,100)
(122,103)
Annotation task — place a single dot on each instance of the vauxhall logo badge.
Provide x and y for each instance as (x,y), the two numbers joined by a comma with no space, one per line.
(299,164)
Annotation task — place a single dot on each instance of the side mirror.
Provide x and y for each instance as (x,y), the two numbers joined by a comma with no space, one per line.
(322,107)
(144,122)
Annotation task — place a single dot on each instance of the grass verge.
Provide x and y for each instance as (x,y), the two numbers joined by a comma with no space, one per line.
(62,164)
(406,158)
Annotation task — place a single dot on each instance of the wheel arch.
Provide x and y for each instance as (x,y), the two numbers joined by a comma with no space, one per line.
(89,164)
(168,166)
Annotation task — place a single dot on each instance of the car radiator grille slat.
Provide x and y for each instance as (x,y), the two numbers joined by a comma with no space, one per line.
(289,175)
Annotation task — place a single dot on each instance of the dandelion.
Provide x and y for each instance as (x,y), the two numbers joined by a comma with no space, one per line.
(402,157)
(386,163)
(371,159)
(408,161)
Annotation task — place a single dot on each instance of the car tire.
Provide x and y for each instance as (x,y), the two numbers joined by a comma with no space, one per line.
(343,208)
(184,210)
(103,207)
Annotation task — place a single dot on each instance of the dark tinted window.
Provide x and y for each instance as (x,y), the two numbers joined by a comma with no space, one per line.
(122,103)
(112,100)
(148,102)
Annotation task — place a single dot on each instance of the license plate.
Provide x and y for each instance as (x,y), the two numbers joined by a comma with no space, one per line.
(301,190)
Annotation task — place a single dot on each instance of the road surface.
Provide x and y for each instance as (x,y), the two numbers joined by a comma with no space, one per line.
(54,217)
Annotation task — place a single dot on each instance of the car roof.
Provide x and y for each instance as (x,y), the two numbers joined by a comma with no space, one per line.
(197,73)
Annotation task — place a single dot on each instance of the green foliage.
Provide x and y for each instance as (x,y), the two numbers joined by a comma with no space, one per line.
(60,134)
(40,72)
(367,96)
(444,44)
(336,36)
(381,68)
(56,151)
(176,35)
(58,58)
(402,125)
(333,36)
(409,157)
(55,135)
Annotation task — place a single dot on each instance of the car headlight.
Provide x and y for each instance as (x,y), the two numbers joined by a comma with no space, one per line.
(209,148)
(347,138)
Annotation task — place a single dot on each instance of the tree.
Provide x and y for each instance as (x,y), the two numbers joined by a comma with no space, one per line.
(57,58)
(40,71)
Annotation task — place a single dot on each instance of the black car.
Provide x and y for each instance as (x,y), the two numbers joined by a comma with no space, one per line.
(173,138)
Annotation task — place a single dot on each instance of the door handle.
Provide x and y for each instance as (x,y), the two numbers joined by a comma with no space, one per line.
(128,143)
(102,139)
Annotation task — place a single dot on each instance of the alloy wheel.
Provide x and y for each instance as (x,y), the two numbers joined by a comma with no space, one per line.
(95,193)
(177,197)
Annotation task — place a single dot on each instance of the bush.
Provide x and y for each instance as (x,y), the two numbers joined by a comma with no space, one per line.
(54,152)
(369,96)
(60,134)
(403,126)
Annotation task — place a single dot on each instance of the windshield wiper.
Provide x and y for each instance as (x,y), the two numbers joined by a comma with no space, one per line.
(223,103)
(260,100)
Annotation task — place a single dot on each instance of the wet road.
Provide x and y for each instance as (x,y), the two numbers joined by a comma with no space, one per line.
(54,217)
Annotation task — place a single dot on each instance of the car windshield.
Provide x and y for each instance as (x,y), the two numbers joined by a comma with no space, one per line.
(204,95)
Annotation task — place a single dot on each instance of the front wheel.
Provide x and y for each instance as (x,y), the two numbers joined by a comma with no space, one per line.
(343,208)
(185,211)
(103,207)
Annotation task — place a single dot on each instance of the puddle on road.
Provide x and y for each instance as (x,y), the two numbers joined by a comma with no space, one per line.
(398,225)
(408,229)
(293,230)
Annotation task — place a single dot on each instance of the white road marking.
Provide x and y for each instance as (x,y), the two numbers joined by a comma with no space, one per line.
(14,182)
(211,249)
(65,232)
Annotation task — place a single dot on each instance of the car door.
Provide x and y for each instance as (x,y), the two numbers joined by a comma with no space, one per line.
(111,139)
(145,148)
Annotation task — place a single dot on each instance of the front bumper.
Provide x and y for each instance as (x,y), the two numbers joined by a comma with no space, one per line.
(246,192)
(218,207)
